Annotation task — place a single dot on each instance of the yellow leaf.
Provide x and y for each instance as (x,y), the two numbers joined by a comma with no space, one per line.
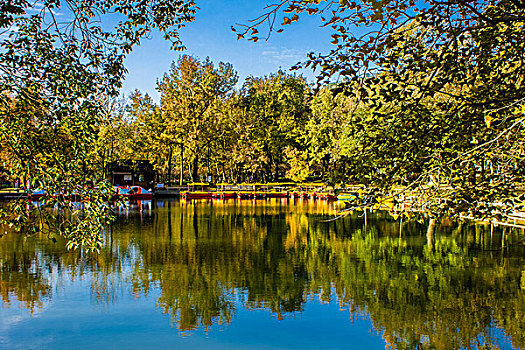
(488,120)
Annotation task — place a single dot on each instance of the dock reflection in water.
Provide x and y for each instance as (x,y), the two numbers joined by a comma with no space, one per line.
(272,273)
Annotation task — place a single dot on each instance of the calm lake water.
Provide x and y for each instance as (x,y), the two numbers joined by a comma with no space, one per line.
(268,274)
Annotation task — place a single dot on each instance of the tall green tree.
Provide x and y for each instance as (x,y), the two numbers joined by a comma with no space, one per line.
(334,137)
(190,93)
(277,107)
(115,136)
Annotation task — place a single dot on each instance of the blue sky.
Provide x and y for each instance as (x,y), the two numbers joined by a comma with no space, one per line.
(210,35)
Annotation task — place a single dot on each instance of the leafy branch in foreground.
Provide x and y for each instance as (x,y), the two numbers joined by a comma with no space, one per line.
(58,63)
(442,88)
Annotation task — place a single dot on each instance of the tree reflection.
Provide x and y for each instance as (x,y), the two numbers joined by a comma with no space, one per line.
(23,271)
(442,289)
(21,275)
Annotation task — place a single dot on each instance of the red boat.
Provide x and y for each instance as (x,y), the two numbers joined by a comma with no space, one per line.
(133,192)
(198,190)
(224,195)
(327,196)
(313,191)
(277,194)
(244,195)
(196,195)
(37,195)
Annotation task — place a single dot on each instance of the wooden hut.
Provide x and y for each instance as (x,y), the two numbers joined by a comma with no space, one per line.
(132,173)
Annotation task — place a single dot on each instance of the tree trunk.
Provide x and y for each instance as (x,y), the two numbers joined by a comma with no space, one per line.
(472,174)
(430,232)
(170,156)
(181,164)
(208,170)
(195,168)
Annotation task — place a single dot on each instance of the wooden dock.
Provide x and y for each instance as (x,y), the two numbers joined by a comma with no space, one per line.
(169,192)
(12,193)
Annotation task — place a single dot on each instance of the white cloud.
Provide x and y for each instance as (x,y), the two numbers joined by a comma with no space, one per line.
(283,55)
(39,7)
(4,34)
(10,320)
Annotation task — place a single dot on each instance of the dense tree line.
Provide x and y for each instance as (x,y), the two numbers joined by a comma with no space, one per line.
(280,127)
(203,126)
(430,98)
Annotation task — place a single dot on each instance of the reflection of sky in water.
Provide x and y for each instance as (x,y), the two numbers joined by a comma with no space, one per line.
(11,318)
(76,322)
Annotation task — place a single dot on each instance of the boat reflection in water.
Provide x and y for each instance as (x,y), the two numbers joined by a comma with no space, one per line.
(255,273)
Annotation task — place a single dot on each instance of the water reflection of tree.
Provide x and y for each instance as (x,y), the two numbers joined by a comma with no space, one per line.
(21,275)
(34,267)
(442,290)
(443,295)
(24,271)
(201,256)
